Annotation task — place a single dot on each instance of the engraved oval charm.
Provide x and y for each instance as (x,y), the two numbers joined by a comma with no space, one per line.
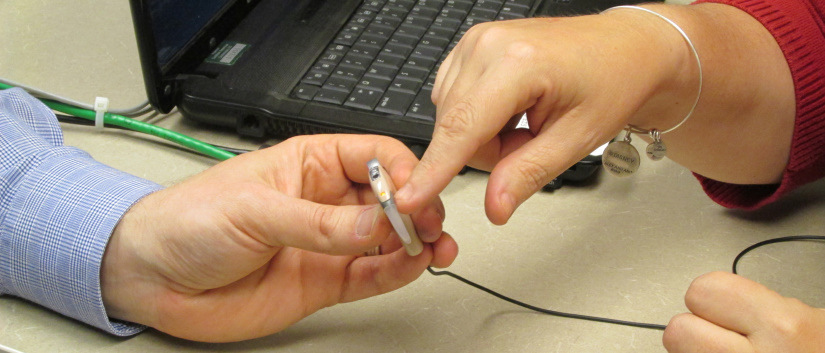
(656,150)
(621,159)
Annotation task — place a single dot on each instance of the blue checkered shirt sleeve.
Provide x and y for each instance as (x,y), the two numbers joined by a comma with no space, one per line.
(58,207)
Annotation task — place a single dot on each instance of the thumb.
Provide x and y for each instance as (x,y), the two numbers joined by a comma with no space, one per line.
(335,230)
(527,169)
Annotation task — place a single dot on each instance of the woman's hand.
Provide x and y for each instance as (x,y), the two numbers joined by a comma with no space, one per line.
(580,80)
(730,313)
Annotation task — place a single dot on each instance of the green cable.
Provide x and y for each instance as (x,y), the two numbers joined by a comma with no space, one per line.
(139,126)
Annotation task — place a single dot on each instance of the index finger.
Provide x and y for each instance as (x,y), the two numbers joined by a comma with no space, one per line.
(354,151)
(475,118)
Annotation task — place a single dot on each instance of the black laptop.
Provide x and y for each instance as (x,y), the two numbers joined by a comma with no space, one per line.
(279,68)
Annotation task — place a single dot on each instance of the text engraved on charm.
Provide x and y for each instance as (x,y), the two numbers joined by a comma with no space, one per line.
(656,150)
(621,159)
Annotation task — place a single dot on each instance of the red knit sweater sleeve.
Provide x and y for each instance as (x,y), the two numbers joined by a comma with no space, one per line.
(799,29)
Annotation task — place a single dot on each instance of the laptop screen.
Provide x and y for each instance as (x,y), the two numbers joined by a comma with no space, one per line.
(176,22)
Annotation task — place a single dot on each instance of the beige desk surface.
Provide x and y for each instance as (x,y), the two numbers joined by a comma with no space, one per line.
(622,248)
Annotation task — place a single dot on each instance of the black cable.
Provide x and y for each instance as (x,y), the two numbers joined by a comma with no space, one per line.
(547,311)
(772,241)
(68,119)
(615,321)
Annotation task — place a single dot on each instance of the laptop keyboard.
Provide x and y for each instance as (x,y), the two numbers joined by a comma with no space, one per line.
(386,57)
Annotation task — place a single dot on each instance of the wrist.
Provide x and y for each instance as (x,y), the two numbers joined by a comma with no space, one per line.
(124,278)
(675,70)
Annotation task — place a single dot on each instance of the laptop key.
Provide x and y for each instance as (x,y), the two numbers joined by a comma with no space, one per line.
(349,72)
(389,60)
(420,22)
(372,40)
(454,13)
(494,5)
(447,23)
(379,71)
(402,84)
(525,3)
(364,12)
(405,5)
(432,4)
(437,42)
(327,95)
(403,41)
(440,32)
(364,49)
(361,20)
(316,78)
(346,37)
(305,91)
(396,50)
(376,83)
(424,12)
(514,10)
(430,82)
(395,102)
(393,12)
(387,21)
(364,98)
(480,13)
(356,61)
(413,73)
(340,83)
(333,58)
(459,5)
(411,31)
(323,67)
(421,63)
(422,51)
(379,30)
(504,16)
(422,107)
(373,5)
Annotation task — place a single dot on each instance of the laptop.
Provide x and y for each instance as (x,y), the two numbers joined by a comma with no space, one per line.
(279,68)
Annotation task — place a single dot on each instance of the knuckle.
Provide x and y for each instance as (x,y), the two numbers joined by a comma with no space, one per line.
(521,51)
(459,119)
(323,222)
(791,323)
(489,36)
(535,174)
(676,330)
(702,286)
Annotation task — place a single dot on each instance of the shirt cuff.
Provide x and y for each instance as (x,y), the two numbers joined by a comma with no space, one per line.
(53,237)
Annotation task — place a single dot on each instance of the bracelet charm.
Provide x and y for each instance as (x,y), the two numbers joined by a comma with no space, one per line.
(620,158)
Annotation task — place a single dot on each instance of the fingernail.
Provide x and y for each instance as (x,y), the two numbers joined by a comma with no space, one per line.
(442,213)
(404,194)
(365,221)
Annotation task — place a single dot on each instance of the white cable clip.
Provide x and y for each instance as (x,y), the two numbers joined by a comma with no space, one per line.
(101,108)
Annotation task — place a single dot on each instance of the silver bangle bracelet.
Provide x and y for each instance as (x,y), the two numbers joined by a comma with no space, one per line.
(620,157)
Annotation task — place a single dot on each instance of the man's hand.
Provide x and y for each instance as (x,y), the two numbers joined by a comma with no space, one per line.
(262,240)
(730,313)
